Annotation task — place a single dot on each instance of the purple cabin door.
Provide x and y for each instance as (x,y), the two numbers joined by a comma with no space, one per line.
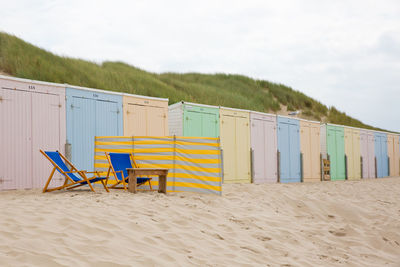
(371,155)
(264,145)
(16,148)
(45,136)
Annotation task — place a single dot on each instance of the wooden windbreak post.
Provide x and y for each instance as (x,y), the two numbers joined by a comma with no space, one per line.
(278,160)
(174,163)
(222,164)
(388,166)
(376,169)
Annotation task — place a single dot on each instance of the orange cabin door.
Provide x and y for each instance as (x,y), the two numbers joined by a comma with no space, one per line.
(156,121)
(136,120)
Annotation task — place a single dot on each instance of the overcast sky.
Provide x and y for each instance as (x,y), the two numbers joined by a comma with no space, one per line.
(342,53)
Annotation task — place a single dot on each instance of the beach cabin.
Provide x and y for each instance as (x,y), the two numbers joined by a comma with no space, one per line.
(332,148)
(32,115)
(191,120)
(310,151)
(367,150)
(90,113)
(393,153)
(352,152)
(264,147)
(145,116)
(288,134)
(235,144)
(381,154)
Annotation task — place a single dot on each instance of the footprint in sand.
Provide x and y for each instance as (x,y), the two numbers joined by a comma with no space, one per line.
(263,238)
(337,233)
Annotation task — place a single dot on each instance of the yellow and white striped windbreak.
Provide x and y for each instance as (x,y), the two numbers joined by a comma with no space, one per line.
(194,163)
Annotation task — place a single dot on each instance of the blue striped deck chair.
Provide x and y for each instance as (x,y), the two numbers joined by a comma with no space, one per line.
(73,177)
(119,162)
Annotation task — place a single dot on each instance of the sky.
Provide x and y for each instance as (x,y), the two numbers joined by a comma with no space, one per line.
(343,53)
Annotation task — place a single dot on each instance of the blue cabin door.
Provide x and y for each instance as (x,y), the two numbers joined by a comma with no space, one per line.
(106,118)
(381,155)
(83,130)
(295,153)
(284,151)
(289,148)
(90,114)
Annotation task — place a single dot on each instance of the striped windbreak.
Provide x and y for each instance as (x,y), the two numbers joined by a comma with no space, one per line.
(194,163)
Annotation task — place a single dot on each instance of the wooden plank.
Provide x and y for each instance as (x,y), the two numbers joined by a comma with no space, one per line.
(162,184)
(132,185)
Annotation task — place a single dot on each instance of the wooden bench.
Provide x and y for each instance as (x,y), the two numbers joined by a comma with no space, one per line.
(134,173)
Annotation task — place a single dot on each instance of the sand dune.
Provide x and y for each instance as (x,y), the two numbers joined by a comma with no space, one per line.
(317,224)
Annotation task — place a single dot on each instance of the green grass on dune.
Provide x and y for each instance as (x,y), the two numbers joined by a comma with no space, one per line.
(21,59)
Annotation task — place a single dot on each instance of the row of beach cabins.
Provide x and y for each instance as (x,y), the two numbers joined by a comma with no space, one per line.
(256,147)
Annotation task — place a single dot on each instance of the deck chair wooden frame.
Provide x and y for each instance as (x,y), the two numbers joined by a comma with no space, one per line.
(69,183)
(124,180)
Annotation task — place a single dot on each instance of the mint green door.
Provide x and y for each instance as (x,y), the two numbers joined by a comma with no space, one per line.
(335,147)
(200,121)
(192,124)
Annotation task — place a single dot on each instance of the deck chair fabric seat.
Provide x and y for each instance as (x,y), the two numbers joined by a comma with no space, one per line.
(94,180)
(74,177)
(119,163)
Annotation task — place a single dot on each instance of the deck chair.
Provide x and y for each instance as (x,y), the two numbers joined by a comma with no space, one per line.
(73,177)
(119,162)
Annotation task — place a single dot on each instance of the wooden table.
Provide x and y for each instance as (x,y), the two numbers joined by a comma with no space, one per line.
(134,173)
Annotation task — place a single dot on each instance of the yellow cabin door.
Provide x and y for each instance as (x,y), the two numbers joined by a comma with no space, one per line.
(242,150)
(135,122)
(156,121)
(228,146)
(306,151)
(315,153)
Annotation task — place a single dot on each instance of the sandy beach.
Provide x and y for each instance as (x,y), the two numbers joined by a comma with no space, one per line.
(352,223)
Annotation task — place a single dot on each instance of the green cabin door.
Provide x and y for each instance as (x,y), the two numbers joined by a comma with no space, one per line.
(192,124)
(200,121)
(335,146)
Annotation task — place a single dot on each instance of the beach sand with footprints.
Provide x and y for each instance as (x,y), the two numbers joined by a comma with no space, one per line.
(351,223)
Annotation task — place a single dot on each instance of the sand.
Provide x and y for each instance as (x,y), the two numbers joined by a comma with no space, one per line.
(352,223)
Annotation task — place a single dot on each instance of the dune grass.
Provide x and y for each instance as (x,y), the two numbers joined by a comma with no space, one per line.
(21,59)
